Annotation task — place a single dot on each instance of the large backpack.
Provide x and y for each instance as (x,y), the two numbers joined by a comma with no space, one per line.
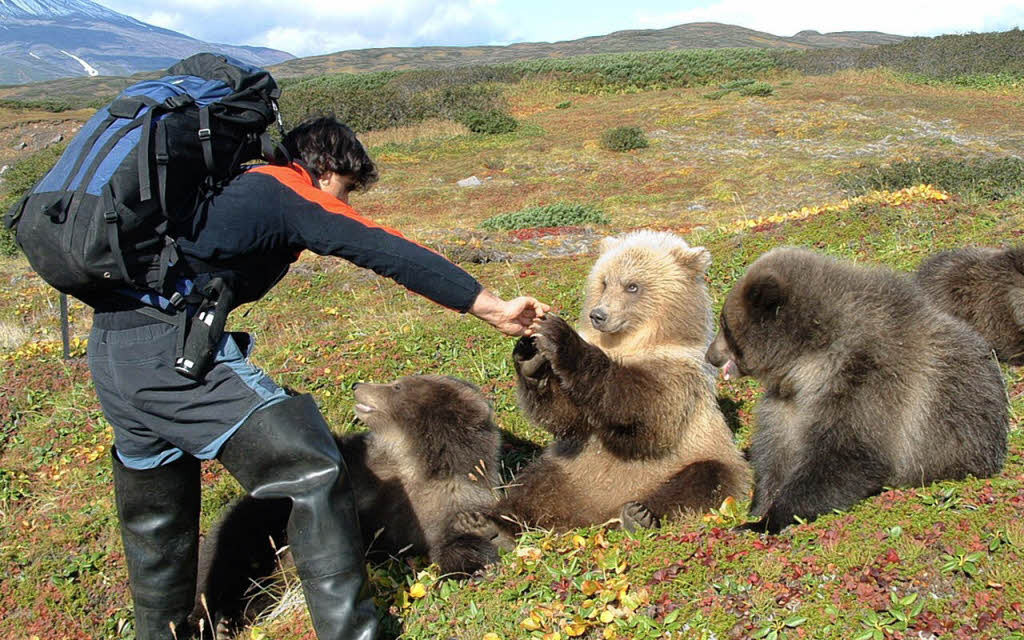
(104,218)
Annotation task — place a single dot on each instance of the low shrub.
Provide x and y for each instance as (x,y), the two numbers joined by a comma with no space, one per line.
(624,139)
(988,178)
(558,214)
(756,89)
(563,105)
(746,87)
(492,121)
(381,100)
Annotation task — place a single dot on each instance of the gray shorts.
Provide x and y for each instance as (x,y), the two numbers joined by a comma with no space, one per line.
(158,414)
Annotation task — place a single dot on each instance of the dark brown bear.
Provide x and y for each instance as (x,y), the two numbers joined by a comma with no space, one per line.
(428,461)
(629,399)
(984,288)
(866,385)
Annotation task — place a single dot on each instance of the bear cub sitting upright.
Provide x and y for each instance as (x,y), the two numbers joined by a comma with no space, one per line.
(428,461)
(629,399)
(985,288)
(866,385)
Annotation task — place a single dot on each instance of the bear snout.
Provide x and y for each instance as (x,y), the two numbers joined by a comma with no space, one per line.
(715,354)
(598,317)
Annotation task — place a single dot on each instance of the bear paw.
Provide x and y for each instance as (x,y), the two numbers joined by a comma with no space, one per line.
(637,516)
(529,362)
(556,340)
(480,525)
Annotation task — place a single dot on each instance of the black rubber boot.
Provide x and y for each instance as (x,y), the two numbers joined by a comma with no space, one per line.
(288,451)
(159,513)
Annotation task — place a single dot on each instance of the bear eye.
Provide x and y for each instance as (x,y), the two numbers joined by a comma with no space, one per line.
(632,287)
(397,386)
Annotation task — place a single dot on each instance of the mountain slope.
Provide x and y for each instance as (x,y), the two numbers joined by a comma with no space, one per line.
(47,39)
(697,35)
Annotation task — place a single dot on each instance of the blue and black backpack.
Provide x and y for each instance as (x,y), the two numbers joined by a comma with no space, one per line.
(104,218)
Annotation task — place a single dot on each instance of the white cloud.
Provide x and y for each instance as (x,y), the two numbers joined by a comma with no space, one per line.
(909,17)
(312,40)
(174,21)
(313,27)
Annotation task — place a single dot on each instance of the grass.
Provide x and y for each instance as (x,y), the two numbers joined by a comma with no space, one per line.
(738,175)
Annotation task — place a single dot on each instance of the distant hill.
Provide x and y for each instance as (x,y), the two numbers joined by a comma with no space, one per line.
(687,36)
(48,39)
(697,35)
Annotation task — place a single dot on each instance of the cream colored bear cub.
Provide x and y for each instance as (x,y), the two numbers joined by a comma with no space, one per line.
(638,432)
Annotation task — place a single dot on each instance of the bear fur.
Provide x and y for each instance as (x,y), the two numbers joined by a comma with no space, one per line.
(428,463)
(638,434)
(866,385)
(985,288)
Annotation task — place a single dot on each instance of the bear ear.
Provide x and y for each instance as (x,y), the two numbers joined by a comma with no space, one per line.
(764,294)
(609,243)
(695,258)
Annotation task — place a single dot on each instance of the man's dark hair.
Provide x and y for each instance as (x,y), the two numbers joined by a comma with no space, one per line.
(324,144)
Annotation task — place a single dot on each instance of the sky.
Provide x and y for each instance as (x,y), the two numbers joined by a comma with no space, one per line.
(312,27)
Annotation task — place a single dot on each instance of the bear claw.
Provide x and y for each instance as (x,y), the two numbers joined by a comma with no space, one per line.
(637,516)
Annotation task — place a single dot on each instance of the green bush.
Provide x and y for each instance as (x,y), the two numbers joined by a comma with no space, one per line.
(372,101)
(972,59)
(756,89)
(563,105)
(624,139)
(492,121)
(17,180)
(988,178)
(558,214)
(746,87)
(641,71)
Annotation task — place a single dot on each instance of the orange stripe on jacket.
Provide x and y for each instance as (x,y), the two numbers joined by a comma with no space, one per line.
(296,178)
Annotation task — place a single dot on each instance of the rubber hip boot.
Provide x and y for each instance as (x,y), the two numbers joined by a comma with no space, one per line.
(159,513)
(286,450)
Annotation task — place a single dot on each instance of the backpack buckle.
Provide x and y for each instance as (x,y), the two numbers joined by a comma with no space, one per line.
(110,216)
(205,134)
(177,300)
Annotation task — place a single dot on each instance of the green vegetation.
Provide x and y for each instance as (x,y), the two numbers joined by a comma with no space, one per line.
(624,139)
(373,101)
(745,87)
(492,121)
(988,178)
(975,59)
(558,214)
(629,72)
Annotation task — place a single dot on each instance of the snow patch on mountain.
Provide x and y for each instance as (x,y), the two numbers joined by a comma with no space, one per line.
(89,69)
(50,9)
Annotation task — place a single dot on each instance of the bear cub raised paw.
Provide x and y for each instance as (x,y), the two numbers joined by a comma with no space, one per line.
(427,464)
(628,398)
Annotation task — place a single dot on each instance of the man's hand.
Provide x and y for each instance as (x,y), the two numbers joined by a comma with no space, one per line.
(511,317)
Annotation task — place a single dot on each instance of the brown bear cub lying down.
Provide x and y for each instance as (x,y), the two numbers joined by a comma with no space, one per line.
(429,457)
(984,288)
(866,385)
(629,399)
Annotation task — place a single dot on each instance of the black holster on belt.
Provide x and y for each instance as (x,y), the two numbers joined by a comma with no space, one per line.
(204,332)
